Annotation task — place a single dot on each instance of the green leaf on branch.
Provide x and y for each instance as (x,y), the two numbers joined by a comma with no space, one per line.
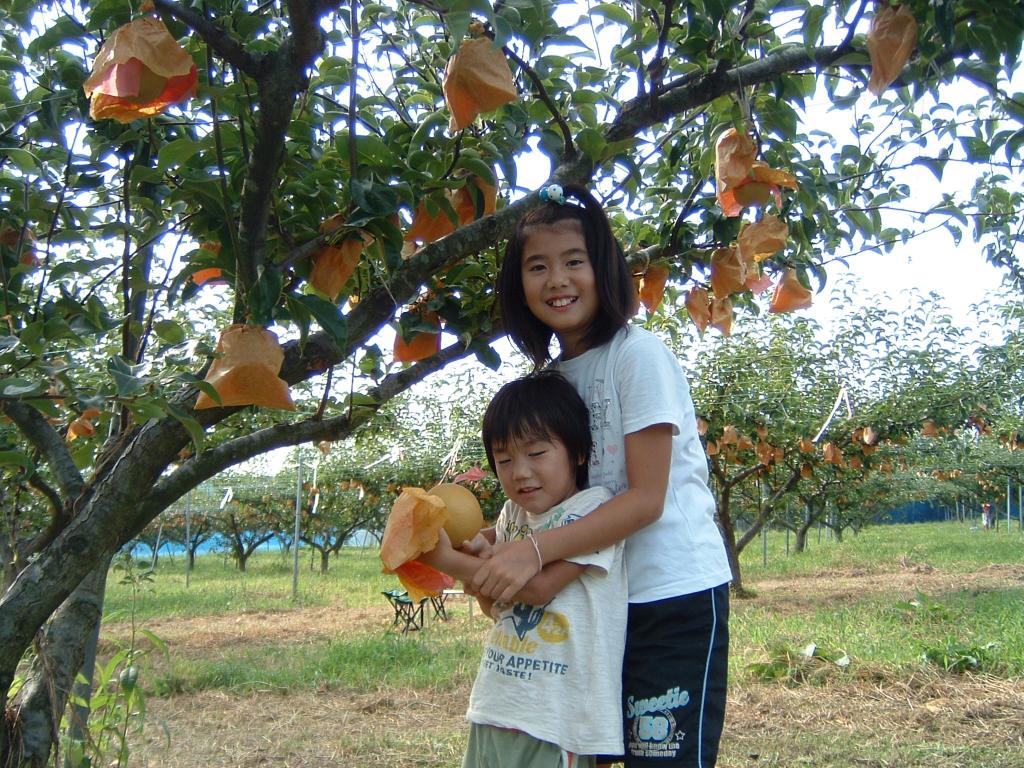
(375,199)
(327,314)
(193,427)
(263,296)
(612,12)
(934,164)
(177,153)
(593,143)
(15,459)
(485,354)
(125,381)
(814,19)
(169,331)
(24,160)
(18,387)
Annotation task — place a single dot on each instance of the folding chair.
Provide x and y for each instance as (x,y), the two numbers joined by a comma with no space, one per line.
(407,613)
(438,602)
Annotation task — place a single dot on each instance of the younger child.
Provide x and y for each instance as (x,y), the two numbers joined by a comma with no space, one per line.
(548,691)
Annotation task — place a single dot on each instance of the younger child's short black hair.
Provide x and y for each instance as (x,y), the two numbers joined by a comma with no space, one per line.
(542,405)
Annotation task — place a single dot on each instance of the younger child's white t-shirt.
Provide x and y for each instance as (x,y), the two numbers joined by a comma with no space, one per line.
(555,671)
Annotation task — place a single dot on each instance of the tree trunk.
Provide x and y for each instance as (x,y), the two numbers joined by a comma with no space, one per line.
(325,555)
(34,715)
(7,556)
(801,538)
(726,527)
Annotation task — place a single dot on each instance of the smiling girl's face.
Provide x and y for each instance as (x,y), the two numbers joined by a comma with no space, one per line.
(558,282)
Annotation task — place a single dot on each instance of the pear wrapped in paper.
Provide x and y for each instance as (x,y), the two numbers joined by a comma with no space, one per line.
(413,528)
(247,371)
(476,80)
(139,72)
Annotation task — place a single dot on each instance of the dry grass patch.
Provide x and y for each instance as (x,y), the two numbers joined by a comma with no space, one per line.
(207,636)
(802,594)
(929,721)
(380,729)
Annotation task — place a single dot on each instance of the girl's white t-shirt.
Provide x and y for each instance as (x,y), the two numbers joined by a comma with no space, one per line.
(631,383)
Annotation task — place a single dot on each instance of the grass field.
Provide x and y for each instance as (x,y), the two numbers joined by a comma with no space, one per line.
(918,659)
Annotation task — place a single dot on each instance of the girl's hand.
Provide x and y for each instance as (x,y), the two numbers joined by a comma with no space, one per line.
(478,546)
(507,571)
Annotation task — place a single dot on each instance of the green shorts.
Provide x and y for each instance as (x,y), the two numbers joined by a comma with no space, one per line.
(491,747)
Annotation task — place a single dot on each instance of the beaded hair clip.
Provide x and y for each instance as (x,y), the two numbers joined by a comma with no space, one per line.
(553,193)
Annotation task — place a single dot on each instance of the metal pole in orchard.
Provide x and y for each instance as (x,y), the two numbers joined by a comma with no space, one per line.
(764,526)
(188,539)
(1009,504)
(295,534)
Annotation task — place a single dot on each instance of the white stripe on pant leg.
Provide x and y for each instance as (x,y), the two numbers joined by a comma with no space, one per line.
(704,689)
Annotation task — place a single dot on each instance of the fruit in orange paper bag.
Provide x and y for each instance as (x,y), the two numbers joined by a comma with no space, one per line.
(420,580)
(789,294)
(247,372)
(25,237)
(80,427)
(412,527)
(477,79)
(209,275)
(427,228)
(734,154)
(464,202)
(762,239)
(464,516)
(891,39)
(334,265)
(728,272)
(698,305)
(721,315)
(139,72)
(652,286)
(419,347)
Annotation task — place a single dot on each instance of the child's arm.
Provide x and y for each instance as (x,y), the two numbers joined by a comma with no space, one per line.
(548,582)
(445,558)
(648,458)
(539,591)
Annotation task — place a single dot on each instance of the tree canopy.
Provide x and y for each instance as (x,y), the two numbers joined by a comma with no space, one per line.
(289,160)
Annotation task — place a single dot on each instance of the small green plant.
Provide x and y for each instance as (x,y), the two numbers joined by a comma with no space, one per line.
(955,656)
(806,665)
(924,608)
(117,705)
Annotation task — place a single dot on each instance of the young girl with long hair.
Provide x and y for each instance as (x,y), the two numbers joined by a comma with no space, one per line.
(565,277)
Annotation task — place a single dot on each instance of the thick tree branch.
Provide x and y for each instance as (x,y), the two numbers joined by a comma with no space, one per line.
(48,441)
(226,46)
(279,87)
(208,463)
(307,38)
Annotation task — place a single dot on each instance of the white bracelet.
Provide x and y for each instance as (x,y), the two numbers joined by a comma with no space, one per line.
(536,548)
